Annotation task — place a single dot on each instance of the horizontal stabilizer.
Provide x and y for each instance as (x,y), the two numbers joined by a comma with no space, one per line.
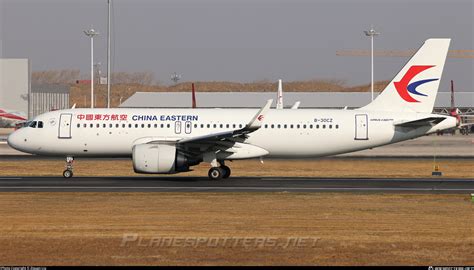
(427,121)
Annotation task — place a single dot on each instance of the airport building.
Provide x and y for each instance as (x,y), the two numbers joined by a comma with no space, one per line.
(14,84)
(49,97)
(327,100)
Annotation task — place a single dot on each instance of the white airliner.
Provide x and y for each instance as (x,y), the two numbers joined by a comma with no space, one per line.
(166,141)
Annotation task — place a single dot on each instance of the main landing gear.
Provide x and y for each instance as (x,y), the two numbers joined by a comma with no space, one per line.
(221,172)
(68,172)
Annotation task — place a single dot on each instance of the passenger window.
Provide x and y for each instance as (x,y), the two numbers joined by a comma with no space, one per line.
(104,125)
(78,125)
(227,125)
(91,125)
(155,125)
(129,125)
(234,126)
(297,126)
(117,125)
(284,126)
(279,126)
(304,126)
(214,125)
(240,125)
(136,125)
(324,126)
(266,125)
(98,125)
(123,125)
(317,126)
(111,126)
(202,125)
(168,125)
(311,126)
(85,125)
(291,126)
(337,126)
(330,126)
(162,126)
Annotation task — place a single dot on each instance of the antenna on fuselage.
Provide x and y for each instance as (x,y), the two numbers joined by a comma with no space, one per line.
(296,105)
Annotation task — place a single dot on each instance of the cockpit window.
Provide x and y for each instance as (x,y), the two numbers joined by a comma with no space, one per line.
(34,124)
(25,124)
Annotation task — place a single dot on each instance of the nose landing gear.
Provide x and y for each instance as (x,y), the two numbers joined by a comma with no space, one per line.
(68,172)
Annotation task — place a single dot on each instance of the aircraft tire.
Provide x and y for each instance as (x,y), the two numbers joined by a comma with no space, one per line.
(67,174)
(215,173)
(227,172)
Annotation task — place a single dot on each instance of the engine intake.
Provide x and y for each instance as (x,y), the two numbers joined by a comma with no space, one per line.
(159,158)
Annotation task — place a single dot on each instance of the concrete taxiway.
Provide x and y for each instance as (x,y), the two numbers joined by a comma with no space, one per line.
(268,184)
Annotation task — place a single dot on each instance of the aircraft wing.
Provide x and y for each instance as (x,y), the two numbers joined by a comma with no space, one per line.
(419,122)
(252,126)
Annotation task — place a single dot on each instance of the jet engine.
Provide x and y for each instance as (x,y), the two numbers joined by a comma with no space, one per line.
(160,158)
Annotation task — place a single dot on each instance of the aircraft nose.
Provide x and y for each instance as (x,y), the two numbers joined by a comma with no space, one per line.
(14,140)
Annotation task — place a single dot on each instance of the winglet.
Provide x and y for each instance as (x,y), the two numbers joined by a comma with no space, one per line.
(73,106)
(257,120)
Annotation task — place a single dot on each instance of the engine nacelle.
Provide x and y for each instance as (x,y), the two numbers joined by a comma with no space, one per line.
(159,158)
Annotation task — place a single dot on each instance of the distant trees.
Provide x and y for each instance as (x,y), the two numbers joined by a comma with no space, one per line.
(143,78)
(55,76)
(69,76)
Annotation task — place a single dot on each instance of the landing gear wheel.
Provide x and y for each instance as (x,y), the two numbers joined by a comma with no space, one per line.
(226,171)
(67,174)
(69,162)
(216,173)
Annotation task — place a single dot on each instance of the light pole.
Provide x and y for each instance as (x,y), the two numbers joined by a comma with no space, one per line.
(91,33)
(108,52)
(372,33)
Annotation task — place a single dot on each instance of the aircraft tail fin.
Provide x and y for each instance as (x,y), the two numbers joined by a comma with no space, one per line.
(415,87)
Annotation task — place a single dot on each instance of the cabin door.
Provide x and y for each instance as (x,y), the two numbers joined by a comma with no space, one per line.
(177,127)
(65,126)
(361,127)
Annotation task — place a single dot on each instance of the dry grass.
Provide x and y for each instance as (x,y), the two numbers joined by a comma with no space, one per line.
(87,228)
(390,168)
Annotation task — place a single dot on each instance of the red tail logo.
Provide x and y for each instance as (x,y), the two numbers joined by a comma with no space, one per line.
(404,87)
